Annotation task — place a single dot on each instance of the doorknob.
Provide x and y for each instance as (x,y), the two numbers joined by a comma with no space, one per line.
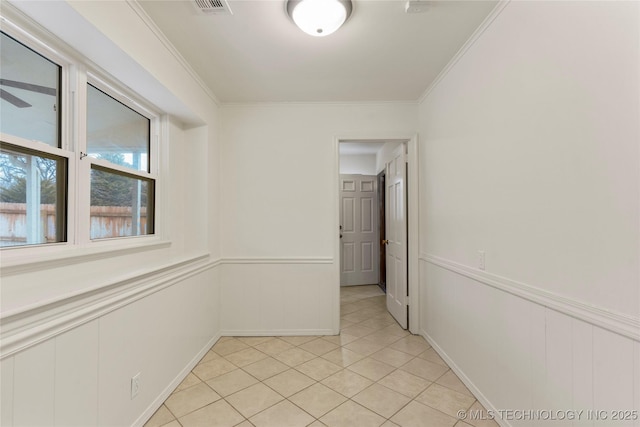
(385,242)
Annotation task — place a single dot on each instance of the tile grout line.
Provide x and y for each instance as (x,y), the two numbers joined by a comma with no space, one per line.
(372,315)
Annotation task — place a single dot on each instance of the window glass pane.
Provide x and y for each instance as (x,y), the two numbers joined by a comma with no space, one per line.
(115,132)
(32,197)
(121,205)
(29,93)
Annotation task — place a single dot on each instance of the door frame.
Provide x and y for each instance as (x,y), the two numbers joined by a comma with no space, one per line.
(413,236)
(382,229)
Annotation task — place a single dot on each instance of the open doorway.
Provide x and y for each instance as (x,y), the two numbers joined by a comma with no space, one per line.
(373,219)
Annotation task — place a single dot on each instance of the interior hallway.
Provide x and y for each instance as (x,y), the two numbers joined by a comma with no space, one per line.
(372,374)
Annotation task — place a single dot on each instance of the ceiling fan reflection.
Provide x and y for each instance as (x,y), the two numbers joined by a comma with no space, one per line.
(20,103)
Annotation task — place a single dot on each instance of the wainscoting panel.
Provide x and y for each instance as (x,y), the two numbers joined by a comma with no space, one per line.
(519,355)
(278,297)
(78,372)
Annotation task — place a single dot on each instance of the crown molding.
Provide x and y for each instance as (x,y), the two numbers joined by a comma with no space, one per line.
(497,10)
(135,5)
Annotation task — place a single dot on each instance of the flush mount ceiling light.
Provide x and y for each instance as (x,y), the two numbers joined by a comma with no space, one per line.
(319,17)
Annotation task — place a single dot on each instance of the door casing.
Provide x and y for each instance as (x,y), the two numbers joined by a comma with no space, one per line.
(413,235)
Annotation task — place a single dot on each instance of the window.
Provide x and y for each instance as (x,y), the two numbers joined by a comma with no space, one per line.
(30,92)
(32,182)
(59,183)
(122,190)
(33,185)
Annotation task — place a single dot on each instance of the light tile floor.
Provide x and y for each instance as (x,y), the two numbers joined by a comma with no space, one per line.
(373,374)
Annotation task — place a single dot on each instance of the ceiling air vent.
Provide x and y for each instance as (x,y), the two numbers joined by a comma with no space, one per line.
(218,7)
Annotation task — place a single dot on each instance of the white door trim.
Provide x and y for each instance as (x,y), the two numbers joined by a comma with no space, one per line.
(413,216)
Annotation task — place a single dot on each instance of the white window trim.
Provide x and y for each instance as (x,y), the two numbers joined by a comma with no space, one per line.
(76,72)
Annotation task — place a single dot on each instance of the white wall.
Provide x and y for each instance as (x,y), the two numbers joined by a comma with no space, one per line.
(76,326)
(530,152)
(279,208)
(358,164)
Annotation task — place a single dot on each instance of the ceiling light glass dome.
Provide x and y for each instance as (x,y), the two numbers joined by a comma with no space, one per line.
(319,18)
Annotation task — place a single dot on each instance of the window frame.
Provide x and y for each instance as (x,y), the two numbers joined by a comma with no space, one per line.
(110,88)
(76,72)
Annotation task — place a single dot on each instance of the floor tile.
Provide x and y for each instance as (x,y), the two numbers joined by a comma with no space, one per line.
(265,368)
(350,414)
(392,357)
(377,322)
(343,357)
(294,356)
(366,376)
(289,382)
(358,331)
(317,399)
(347,383)
(357,316)
(218,414)
(381,400)
(318,368)
(185,401)
(412,344)
(189,381)
(245,357)
(273,347)
(318,346)
(364,346)
(395,329)
(348,308)
(424,369)
(231,382)
(252,341)
(383,338)
(254,399)
(405,383)
(161,417)
(283,414)
(214,368)
(341,339)
(371,368)
(418,415)
(298,340)
(445,400)
(451,380)
(229,346)
(209,356)
(432,356)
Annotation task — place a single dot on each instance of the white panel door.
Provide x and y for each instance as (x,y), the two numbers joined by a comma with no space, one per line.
(359,246)
(396,234)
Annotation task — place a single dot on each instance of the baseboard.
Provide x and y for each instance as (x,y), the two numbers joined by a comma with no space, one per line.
(153,407)
(276,332)
(467,382)
(277,260)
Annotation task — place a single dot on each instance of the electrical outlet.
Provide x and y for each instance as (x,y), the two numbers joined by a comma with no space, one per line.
(481,260)
(135,385)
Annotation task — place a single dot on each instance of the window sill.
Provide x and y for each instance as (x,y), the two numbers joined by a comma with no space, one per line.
(24,260)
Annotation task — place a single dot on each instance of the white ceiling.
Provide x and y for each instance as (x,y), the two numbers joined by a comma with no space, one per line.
(258,55)
(361,147)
